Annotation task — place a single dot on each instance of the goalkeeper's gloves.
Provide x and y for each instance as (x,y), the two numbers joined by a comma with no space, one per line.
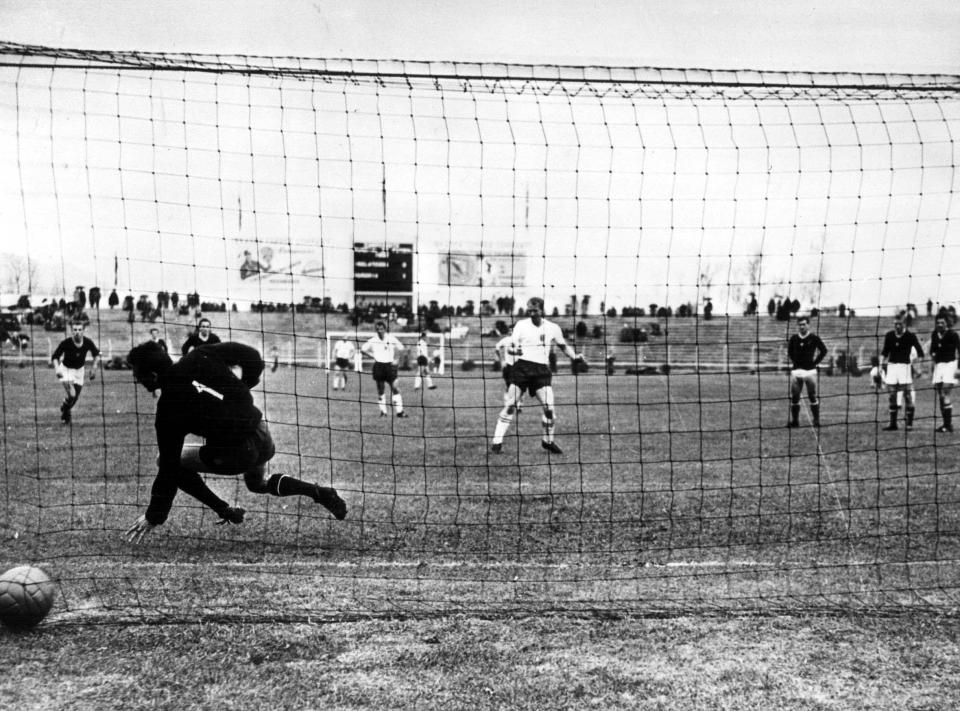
(230,515)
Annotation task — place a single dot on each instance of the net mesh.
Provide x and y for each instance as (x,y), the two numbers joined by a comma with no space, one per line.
(674,221)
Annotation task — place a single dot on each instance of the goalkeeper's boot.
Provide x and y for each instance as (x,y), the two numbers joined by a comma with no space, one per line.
(496,447)
(327,497)
(552,447)
(403,414)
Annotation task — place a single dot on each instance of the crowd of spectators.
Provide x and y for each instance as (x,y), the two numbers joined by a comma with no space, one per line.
(431,316)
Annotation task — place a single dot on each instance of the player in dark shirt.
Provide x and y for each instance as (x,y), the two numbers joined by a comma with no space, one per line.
(201,395)
(155,337)
(805,351)
(203,336)
(69,361)
(944,351)
(896,360)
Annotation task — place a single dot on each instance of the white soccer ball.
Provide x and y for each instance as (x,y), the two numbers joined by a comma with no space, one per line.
(26,596)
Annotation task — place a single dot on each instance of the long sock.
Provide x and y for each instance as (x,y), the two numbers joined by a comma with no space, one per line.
(815,410)
(549,425)
(948,416)
(283,485)
(397,403)
(893,416)
(382,400)
(417,382)
(795,414)
(503,424)
(910,412)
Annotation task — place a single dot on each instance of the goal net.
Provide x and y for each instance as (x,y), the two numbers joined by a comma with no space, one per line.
(675,222)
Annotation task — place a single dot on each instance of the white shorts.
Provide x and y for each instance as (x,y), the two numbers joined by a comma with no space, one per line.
(945,373)
(806,376)
(899,374)
(69,375)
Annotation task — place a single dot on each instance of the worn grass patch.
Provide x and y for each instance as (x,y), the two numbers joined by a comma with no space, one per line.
(793,662)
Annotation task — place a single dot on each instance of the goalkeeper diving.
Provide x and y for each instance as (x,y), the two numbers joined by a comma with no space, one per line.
(202,395)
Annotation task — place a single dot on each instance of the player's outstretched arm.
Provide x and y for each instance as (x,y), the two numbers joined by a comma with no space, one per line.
(571,353)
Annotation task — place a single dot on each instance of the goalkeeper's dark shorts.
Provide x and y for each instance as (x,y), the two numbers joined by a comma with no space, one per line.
(530,377)
(239,456)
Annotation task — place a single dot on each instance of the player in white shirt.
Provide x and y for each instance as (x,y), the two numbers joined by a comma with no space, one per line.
(532,339)
(343,355)
(384,349)
(423,364)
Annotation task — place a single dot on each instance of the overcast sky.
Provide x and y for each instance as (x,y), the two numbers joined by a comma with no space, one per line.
(69,185)
(838,35)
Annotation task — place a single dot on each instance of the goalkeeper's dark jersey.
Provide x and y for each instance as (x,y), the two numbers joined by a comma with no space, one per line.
(73,356)
(806,352)
(944,347)
(200,395)
(897,348)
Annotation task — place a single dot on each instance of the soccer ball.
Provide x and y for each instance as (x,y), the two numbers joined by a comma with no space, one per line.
(26,596)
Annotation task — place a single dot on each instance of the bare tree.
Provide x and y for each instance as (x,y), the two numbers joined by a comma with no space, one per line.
(814,275)
(21,273)
(708,272)
(754,265)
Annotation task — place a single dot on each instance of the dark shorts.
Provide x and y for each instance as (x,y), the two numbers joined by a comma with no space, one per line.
(342,363)
(384,372)
(236,457)
(530,377)
(422,360)
(507,372)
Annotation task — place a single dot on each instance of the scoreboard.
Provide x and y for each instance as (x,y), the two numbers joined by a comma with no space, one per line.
(382,268)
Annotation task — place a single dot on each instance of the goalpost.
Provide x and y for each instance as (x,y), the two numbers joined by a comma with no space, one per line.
(437,352)
(665,216)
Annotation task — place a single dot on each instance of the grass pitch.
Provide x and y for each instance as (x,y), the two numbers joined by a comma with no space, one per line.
(680,504)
